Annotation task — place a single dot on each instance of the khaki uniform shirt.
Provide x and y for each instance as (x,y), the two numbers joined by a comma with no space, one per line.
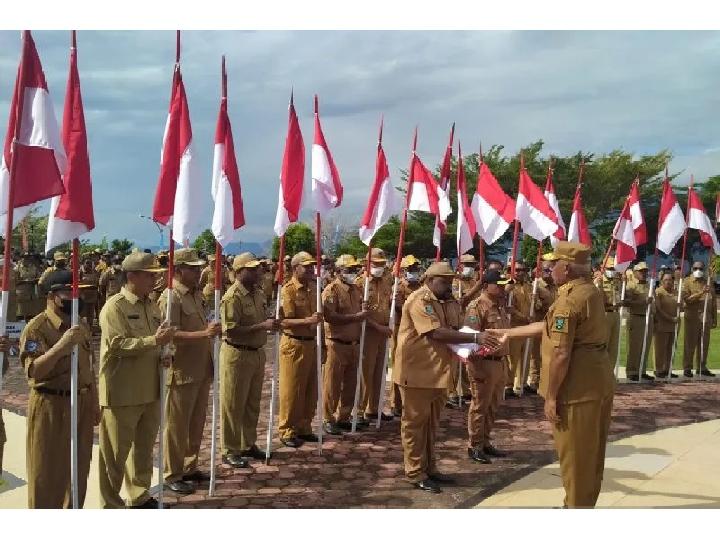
(342,299)
(207,281)
(101,266)
(27,278)
(420,361)
(636,295)
(484,312)
(298,301)
(129,353)
(694,307)
(577,320)
(546,295)
(192,361)
(240,307)
(268,285)
(109,283)
(379,297)
(92,278)
(612,290)
(521,299)
(461,285)
(403,291)
(665,310)
(38,337)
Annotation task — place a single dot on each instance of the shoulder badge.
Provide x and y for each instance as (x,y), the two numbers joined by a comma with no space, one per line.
(428,309)
(31,346)
(560,324)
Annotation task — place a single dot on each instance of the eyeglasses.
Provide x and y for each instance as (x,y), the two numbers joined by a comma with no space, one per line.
(547,270)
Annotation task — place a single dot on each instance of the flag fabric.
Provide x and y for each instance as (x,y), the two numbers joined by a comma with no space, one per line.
(492,209)
(578,230)
(39,151)
(671,223)
(624,234)
(638,221)
(228,215)
(383,202)
(698,219)
(466,228)
(71,214)
(717,208)
(553,200)
(445,172)
(291,175)
(327,189)
(425,193)
(179,186)
(533,210)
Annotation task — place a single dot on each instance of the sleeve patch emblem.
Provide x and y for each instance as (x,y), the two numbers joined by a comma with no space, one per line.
(31,346)
(428,309)
(560,324)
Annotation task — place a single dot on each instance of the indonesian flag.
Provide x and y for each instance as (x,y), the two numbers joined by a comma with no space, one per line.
(425,193)
(553,200)
(39,151)
(698,219)
(624,234)
(179,189)
(228,215)
(717,208)
(671,223)
(291,175)
(638,221)
(466,228)
(71,214)
(445,172)
(533,210)
(492,209)
(327,190)
(578,230)
(383,202)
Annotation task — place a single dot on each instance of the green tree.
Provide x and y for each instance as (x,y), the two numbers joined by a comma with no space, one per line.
(298,237)
(205,243)
(121,246)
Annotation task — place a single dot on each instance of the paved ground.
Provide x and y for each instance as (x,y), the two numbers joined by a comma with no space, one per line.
(365,470)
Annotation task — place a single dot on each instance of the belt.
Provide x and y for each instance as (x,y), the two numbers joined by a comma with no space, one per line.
(299,338)
(610,310)
(242,347)
(494,358)
(62,393)
(336,340)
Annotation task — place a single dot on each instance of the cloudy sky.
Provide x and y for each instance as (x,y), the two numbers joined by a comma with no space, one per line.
(595,91)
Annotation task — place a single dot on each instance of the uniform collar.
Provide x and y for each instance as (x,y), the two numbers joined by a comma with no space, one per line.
(240,288)
(130,297)
(53,318)
(295,281)
(342,283)
(572,283)
(180,288)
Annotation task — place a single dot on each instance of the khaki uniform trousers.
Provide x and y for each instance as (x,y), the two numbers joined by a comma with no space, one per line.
(635,333)
(89,312)
(693,332)
(612,321)
(395,399)
(580,440)
(298,387)
(372,372)
(241,380)
(517,352)
(48,449)
(127,436)
(535,364)
(339,380)
(185,411)
(486,386)
(3,440)
(663,351)
(418,427)
(457,371)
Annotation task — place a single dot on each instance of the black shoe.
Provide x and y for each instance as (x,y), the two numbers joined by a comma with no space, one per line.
(673,376)
(687,373)
(510,393)
(476,454)
(452,403)
(467,397)
(633,378)
(441,478)
(236,461)
(529,390)
(428,485)
(707,373)
(332,428)
(396,412)
(196,476)
(661,375)
(384,417)
(253,452)
(309,437)
(490,450)
(294,442)
(362,422)
(150,504)
(648,377)
(181,487)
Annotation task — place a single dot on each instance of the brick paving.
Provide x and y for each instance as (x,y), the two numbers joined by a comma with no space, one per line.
(365,470)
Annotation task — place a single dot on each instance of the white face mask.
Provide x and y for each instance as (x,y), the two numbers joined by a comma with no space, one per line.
(350,278)
(468,271)
(698,273)
(609,274)
(377,271)
(324,273)
(412,276)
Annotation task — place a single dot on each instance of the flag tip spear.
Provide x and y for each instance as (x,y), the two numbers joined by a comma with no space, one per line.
(316,104)
(73,40)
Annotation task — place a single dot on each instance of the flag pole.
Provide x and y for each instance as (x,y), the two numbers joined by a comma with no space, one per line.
(698,372)
(319,328)
(481,244)
(516,231)
(276,356)
(651,291)
(444,188)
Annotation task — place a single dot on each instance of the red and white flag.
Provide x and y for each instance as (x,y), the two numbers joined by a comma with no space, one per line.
(578,230)
(717,208)
(533,210)
(445,172)
(466,228)
(383,202)
(291,175)
(624,234)
(425,193)
(228,215)
(698,219)
(179,188)
(327,189)
(671,222)
(492,208)
(638,221)
(553,200)
(71,214)
(39,151)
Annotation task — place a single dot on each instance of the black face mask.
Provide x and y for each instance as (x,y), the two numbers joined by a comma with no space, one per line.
(60,265)
(66,306)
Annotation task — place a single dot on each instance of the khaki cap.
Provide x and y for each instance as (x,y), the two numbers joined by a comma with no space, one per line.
(640,266)
(287,257)
(377,255)
(408,260)
(211,257)
(59,256)
(303,258)
(347,261)
(141,262)
(245,260)
(610,262)
(440,269)
(467,258)
(570,251)
(187,256)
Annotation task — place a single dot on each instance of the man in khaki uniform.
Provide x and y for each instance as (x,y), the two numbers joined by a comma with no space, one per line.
(242,361)
(486,370)
(110,282)
(610,285)
(46,346)
(467,284)
(298,361)
(190,375)
(60,264)
(519,315)
(4,348)
(161,277)
(577,376)
(26,288)
(129,386)
(377,332)
(266,281)
(636,300)
(343,315)
(430,321)
(695,290)
(207,281)
(12,296)
(665,320)
(90,279)
(547,292)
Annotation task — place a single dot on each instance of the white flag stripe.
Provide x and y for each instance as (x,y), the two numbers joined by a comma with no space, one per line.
(419,198)
(186,221)
(59,230)
(532,220)
(671,229)
(223,214)
(697,219)
(573,232)
(282,219)
(490,224)
(323,190)
(555,205)
(387,206)
(636,215)
(464,240)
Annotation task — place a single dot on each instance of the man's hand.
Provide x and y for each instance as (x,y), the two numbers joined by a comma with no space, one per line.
(269,325)
(706,289)
(380,328)
(551,412)
(315,318)
(72,336)
(492,339)
(164,334)
(363,315)
(213,329)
